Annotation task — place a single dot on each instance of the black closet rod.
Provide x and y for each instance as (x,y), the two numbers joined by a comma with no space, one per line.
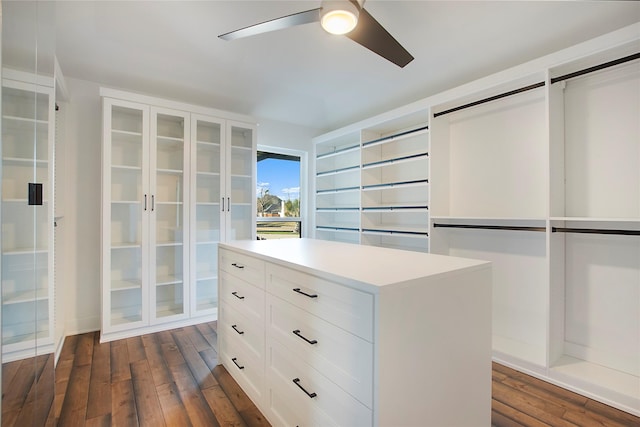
(596,68)
(491,227)
(492,98)
(595,231)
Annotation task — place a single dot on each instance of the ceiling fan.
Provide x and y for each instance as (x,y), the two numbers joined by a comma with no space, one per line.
(341,17)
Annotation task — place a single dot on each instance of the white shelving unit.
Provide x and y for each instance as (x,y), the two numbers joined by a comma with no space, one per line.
(338,189)
(395,183)
(595,224)
(372,184)
(176,181)
(27,230)
(208,134)
(537,169)
(489,169)
(542,179)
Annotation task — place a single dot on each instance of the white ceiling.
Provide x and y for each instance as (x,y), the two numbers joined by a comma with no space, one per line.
(303,75)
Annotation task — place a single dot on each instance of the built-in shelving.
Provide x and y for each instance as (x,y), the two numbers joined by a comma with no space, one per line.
(536,169)
(372,184)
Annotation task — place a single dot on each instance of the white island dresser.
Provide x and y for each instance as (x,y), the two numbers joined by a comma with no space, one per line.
(321,333)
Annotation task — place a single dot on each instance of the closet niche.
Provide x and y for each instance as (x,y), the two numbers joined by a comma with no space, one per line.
(27,199)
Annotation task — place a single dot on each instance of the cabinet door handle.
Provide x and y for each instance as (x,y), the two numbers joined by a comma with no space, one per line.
(235,294)
(153,202)
(296,381)
(222,210)
(304,293)
(236,265)
(235,328)
(236,363)
(145,202)
(298,334)
(228,204)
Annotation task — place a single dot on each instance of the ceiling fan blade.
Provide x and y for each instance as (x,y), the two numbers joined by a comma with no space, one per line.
(299,18)
(370,34)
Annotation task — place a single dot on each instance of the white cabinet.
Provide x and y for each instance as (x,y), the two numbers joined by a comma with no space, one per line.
(27,222)
(372,183)
(173,187)
(316,338)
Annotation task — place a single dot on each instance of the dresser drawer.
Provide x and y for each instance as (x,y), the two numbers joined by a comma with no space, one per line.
(347,308)
(242,296)
(238,328)
(247,268)
(244,368)
(298,395)
(344,358)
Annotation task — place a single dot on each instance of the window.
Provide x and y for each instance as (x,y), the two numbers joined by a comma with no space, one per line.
(278,195)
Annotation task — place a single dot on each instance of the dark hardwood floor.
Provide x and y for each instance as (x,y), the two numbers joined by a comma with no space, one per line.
(522,400)
(172,378)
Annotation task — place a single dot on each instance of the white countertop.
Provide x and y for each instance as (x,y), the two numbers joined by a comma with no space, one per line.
(367,264)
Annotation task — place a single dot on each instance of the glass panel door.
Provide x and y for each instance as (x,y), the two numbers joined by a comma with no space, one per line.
(25,170)
(169,201)
(208,207)
(242,186)
(129,200)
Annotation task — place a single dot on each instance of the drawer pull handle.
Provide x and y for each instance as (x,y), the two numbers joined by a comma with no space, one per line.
(296,381)
(235,294)
(297,333)
(236,265)
(236,363)
(235,328)
(304,293)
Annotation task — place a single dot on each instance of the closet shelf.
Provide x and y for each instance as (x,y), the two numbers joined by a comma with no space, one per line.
(338,190)
(126,167)
(491,227)
(595,231)
(396,160)
(22,161)
(170,279)
(331,228)
(338,171)
(394,184)
(391,231)
(125,132)
(340,151)
(171,140)
(125,284)
(397,136)
(169,171)
(396,208)
(336,209)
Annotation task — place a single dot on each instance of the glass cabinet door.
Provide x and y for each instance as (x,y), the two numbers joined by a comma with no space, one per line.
(26,210)
(208,206)
(169,202)
(241,187)
(127,184)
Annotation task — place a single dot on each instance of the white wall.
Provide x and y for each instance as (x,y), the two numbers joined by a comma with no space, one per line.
(82,210)
(81,290)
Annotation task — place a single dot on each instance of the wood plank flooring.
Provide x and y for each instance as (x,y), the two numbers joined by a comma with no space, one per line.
(172,378)
(522,400)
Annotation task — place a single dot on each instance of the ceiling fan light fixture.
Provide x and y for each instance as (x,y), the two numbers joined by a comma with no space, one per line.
(339,17)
